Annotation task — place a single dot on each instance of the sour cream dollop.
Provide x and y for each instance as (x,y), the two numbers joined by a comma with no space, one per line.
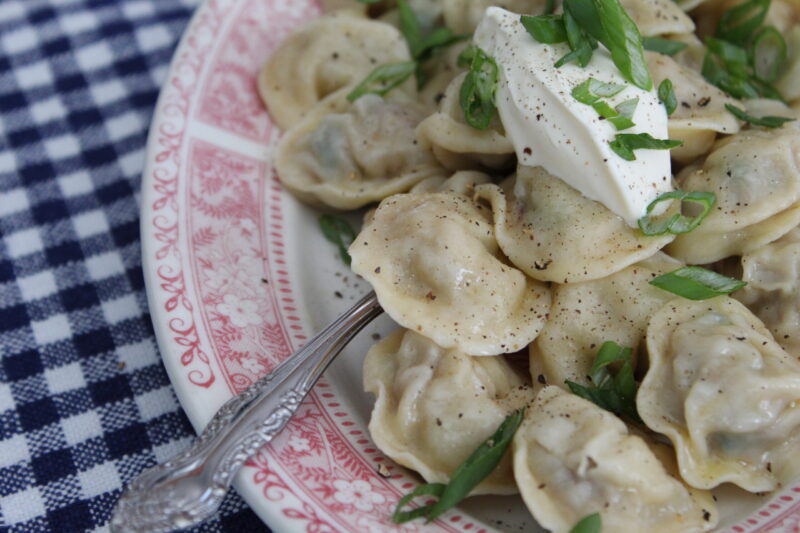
(550,128)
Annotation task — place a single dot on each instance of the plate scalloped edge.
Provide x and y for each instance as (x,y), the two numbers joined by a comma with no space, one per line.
(221,290)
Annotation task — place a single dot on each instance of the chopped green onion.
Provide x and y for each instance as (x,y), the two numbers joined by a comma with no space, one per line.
(547,29)
(625,111)
(677,223)
(589,524)
(579,41)
(609,23)
(479,87)
(736,85)
(383,79)
(591,90)
(769,54)
(697,283)
(409,27)
(339,232)
(466,477)
(625,143)
(549,7)
(616,394)
(768,121)
(666,96)
(739,23)
(663,46)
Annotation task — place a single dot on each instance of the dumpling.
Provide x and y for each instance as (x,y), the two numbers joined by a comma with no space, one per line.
(440,71)
(334,51)
(433,261)
(658,17)
(703,356)
(701,112)
(585,315)
(435,406)
(572,459)
(462,182)
(789,82)
(351,5)
(552,232)
(463,16)
(459,146)
(772,274)
(755,175)
(347,155)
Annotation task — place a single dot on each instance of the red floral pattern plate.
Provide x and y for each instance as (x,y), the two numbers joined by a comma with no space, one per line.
(238,277)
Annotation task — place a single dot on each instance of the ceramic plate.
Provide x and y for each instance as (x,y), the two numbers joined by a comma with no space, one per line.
(238,277)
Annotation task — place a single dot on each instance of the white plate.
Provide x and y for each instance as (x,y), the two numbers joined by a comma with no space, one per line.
(238,277)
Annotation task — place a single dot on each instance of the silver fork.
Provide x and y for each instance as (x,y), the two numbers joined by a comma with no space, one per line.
(189,488)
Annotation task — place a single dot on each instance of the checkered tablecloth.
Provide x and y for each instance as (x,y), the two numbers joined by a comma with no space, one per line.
(85,404)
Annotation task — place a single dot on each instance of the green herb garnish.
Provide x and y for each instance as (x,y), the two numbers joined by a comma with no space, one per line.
(589,524)
(383,79)
(338,231)
(609,23)
(593,90)
(590,93)
(768,121)
(666,96)
(465,478)
(768,54)
(677,223)
(697,283)
(580,42)
(738,24)
(625,143)
(479,87)
(615,393)
(663,46)
(547,29)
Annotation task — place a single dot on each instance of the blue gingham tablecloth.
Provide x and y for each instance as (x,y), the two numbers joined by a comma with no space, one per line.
(85,404)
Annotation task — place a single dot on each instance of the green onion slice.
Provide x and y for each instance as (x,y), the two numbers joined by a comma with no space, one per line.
(769,54)
(547,29)
(479,87)
(338,231)
(591,90)
(383,79)
(579,41)
(677,223)
(589,524)
(625,143)
(466,477)
(739,23)
(768,121)
(663,46)
(666,96)
(625,111)
(614,393)
(697,283)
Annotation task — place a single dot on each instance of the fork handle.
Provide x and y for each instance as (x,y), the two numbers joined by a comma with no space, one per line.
(189,488)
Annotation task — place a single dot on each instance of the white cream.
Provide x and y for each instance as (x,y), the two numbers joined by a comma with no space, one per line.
(550,128)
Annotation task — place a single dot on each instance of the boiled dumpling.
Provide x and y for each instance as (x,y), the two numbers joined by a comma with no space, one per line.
(755,176)
(552,232)
(772,274)
(326,54)
(436,268)
(458,145)
(435,406)
(463,16)
(347,155)
(572,459)
(658,17)
(462,182)
(701,112)
(724,392)
(585,315)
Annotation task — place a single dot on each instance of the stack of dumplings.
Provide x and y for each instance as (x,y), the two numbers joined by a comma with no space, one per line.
(484,263)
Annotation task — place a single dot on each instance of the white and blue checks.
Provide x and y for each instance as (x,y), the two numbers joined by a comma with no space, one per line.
(85,404)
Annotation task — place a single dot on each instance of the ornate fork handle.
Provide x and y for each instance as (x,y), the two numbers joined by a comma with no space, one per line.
(189,488)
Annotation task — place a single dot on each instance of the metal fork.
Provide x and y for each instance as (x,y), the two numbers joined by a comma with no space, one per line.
(189,488)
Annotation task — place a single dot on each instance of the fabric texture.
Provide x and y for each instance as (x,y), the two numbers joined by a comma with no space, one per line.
(85,404)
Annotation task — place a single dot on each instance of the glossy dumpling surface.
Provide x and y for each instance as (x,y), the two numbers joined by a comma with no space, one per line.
(724,392)
(552,232)
(345,155)
(755,176)
(433,262)
(435,406)
(585,315)
(572,459)
(772,274)
(326,54)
